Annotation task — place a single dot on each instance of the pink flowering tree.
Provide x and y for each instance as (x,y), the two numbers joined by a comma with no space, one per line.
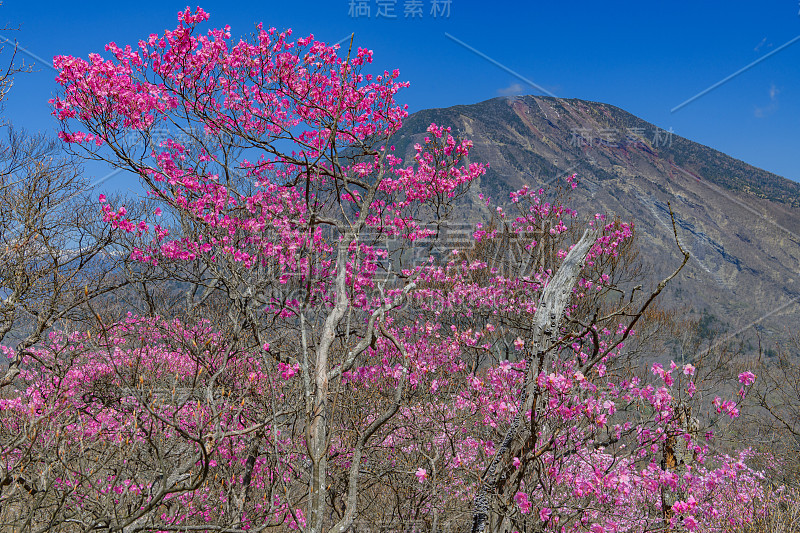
(279,193)
(561,436)
(339,382)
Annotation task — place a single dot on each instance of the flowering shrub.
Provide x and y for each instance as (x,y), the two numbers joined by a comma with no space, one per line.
(348,378)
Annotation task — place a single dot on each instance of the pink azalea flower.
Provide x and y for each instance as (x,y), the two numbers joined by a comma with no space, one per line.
(544,514)
(747,378)
(522,500)
(287,371)
(421,474)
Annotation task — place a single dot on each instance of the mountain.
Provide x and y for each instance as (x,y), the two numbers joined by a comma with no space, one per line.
(741,224)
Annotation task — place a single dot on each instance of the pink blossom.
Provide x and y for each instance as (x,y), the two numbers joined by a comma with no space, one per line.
(324,100)
(522,500)
(747,378)
(544,514)
(287,371)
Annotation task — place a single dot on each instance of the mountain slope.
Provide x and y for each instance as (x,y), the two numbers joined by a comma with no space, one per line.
(740,223)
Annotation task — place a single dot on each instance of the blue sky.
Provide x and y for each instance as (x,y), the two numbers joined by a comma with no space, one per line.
(645,57)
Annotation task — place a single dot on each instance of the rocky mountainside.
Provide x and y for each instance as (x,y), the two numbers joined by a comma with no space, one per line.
(741,224)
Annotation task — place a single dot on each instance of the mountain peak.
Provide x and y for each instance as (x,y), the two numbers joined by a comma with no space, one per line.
(740,223)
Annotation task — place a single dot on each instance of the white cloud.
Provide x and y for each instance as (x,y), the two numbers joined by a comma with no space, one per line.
(773,92)
(761,112)
(513,89)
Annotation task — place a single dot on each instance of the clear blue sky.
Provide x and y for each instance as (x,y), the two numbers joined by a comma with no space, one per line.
(645,57)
